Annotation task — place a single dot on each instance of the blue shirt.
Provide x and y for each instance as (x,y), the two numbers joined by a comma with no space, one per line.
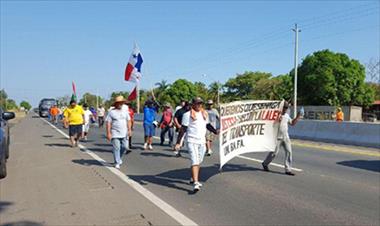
(149,115)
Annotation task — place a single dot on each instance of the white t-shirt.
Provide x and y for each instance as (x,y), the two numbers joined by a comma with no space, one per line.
(87,115)
(283,131)
(101,112)
(196,129)
(118,119)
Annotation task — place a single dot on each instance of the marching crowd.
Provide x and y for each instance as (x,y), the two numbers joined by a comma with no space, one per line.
(189,123)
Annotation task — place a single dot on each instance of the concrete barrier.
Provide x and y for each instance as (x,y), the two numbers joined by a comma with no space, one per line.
(350,133)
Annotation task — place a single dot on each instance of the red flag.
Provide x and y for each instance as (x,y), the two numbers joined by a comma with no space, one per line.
(74,89)
(133,94)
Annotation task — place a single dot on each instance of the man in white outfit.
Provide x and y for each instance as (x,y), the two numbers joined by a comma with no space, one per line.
(283,140)
(195,123)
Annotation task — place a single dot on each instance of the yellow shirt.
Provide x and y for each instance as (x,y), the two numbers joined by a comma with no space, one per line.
(74,115)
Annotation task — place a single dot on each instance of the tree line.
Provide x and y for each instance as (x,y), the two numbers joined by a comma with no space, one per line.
(324,78)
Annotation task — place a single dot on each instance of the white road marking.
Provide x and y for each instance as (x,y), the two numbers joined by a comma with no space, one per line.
(272,164)
(253,159)
(171,211)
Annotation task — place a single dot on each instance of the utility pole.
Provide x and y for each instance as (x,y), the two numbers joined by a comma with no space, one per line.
(218,98)
(97,100)
(296,30)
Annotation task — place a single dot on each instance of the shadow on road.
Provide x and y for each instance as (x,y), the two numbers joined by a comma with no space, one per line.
(47,136)
(87,162)
(179,177)
(4,205)
(371,165)
(22,223)
(58,145)
(157,154)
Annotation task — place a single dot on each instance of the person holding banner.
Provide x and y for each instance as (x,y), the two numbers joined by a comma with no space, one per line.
(283,140)
(195,123)
(213,117)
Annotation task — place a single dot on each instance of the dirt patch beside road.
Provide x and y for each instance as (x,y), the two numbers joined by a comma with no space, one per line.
(19,116)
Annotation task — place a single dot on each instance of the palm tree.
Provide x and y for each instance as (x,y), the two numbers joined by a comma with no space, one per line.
(162,86)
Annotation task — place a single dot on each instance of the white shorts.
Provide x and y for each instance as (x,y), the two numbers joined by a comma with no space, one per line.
(197,152)
(86,127)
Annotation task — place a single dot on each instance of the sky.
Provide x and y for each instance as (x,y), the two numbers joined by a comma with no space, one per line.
(45,45)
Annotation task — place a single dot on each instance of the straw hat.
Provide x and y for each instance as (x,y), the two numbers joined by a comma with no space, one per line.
(119,99)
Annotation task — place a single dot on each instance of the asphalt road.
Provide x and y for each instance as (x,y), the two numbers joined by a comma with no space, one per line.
(330,187)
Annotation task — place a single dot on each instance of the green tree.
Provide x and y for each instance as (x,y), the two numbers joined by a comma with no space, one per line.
(213,91)
(181,89)
(11,105)
(243,86)
(25,105)
(3,98)
(90,99)
(328,78)
(376,88)
(64,100)
(201,90)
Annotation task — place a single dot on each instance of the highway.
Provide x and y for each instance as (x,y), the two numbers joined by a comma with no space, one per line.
(330,187)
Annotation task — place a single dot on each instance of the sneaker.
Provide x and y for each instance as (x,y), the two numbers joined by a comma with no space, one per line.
(290,173)
(145,146)
(150,147)
(117,166)
(85,138)
(191,181)
(177,154)
(209,152)
(265,167)
(197,186)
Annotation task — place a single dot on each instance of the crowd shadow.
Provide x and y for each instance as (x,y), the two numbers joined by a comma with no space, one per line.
(22,223)
(88,162)
(179,178)
(4,205)
(58,145)
(47,136)
(157,154)
(371,165)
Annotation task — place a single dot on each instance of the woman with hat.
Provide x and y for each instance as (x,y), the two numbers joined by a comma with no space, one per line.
(118,124)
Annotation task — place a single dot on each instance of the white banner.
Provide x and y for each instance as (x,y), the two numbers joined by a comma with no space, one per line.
(248,126)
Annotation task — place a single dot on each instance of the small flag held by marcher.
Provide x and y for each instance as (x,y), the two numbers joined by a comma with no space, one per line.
(74,96)
(133,94)
(133,69)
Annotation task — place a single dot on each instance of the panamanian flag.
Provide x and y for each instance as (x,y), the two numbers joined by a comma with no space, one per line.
(133,69)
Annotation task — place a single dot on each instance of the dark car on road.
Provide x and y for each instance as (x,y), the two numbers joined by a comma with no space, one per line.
(45,105)
(4,140)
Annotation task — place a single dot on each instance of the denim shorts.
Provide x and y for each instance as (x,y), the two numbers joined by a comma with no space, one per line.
(149,129)
(75,130)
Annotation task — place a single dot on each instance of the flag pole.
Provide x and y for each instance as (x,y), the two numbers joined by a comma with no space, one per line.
(138,96)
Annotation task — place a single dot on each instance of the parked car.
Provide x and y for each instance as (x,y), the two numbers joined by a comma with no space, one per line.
(45,105)
(369,117)
(4,140)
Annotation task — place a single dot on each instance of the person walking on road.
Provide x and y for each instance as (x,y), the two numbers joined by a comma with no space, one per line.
(88,115)
(195,122)
(73,119)
(166,124)
(101,112)
(213,117)
(54,112)
(178,124)
(132,116)
(339,115)
(118,125)
(283,140)
(150,110)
